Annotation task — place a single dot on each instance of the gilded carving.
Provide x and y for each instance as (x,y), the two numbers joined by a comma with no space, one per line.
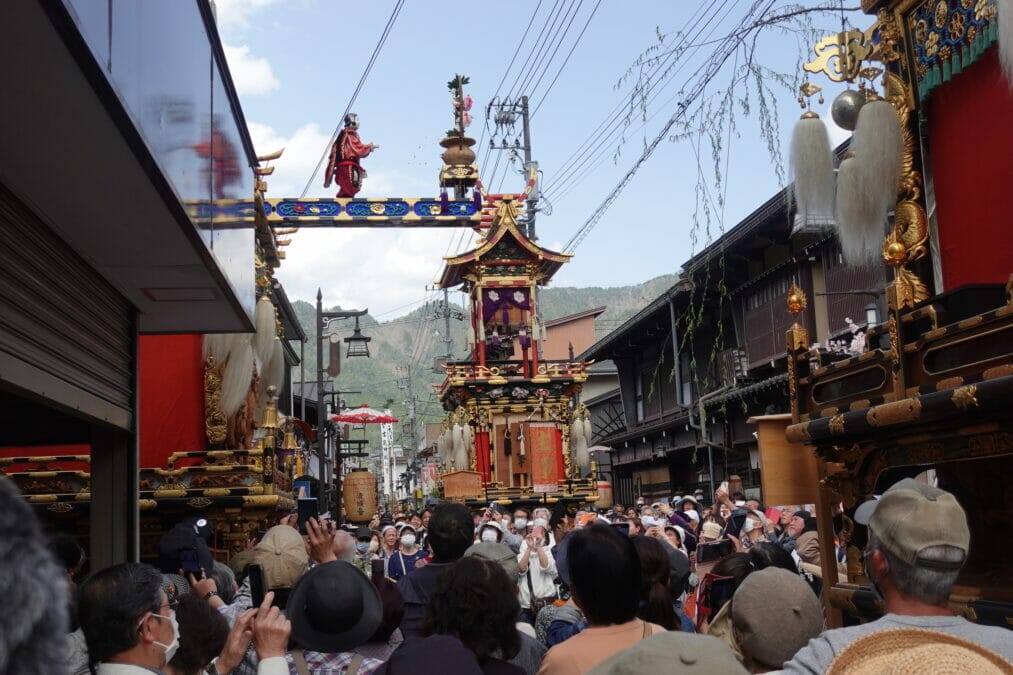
(840,56)
(199,502)
(836,424)
(215,422)
(965,397)
(889,38)
(906,410)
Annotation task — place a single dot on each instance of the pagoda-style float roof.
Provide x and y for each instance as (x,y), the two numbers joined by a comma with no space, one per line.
(505,246)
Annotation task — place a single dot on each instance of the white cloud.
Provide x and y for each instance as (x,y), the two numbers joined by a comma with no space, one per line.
(237,13)
(380,268)
(252,75)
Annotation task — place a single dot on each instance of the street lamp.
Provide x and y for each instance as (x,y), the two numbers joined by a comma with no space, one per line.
(324,320)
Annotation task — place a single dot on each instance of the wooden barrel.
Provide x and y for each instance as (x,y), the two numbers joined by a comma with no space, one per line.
(604,495)
(359,492)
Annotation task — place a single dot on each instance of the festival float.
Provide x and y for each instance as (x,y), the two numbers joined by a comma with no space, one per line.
(513,433)
(212,442)
(930,396)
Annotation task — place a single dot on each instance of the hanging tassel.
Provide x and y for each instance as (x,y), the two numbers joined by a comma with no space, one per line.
(867,191)
(578,443)
(859,220)
(476,195)
(236,379)
(1006,38)
(460,453)
(812,169)
(444,202)
(508,446)
(263,320)
(588,430)
(213,345)
(275,371)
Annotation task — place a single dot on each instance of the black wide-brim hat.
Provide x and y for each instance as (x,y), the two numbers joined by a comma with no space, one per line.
(333,608)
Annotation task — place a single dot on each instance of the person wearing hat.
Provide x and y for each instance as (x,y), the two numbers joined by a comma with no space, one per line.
(802,531)
(490,531)
(672,652)
(909,651)
(408,556)
(774,613)
(333,609)
(918,541)
(363,558)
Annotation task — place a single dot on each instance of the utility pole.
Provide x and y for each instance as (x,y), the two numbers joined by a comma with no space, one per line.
(404,383)
(505,113)
(528,165)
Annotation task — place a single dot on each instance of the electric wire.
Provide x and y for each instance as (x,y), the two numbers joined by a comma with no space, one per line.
(557,39)
(537,48)
(616,112)
(710,70)
(355,94)
(566,60)
(618,121)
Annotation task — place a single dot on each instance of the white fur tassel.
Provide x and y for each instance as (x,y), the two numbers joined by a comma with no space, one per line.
(867,183)
(263,320)
(213,344)
(812,169)
(275,371)
(859,221)
(1006,38)
(579,443)
(588,430)
(460,452)
(236,379)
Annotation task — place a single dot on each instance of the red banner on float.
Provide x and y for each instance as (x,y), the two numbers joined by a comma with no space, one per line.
(543,449)
(482,464)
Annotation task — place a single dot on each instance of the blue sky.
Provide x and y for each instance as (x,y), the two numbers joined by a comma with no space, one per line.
(296,63)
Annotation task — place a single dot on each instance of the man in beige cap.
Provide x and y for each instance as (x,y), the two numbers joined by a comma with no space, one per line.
(918,541)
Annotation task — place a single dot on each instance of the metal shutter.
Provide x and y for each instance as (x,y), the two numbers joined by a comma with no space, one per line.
(66,334)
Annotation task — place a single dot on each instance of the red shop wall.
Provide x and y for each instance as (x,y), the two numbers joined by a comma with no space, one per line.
(971,145)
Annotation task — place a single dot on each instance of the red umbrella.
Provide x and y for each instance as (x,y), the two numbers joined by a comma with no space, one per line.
(363,415)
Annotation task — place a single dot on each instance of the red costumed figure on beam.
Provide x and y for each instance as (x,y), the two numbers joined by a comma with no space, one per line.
(343,167)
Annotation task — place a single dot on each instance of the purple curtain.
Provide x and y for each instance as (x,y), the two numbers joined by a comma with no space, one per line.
(495,299)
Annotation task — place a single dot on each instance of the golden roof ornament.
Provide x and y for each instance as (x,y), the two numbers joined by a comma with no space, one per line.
(796,300)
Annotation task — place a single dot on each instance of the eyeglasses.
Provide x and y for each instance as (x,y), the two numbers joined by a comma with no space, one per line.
(171,604)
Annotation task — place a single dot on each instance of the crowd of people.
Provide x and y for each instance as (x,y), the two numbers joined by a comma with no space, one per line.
(672,586)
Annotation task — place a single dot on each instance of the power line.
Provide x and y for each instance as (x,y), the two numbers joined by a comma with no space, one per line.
(615,114)
(557,5)
(362,80)
(525,87)
(566,60)
(506,72)
(590,151)
(710,69)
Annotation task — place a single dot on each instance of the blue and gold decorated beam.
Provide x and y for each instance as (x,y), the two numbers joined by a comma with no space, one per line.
(348,212)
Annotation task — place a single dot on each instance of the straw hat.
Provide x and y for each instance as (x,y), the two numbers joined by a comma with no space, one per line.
(910,651)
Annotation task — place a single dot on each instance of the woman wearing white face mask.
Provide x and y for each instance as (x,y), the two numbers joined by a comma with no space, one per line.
(490,531)
(752,530)
(407,557)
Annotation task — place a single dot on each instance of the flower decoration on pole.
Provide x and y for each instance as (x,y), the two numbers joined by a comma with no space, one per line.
(462,104)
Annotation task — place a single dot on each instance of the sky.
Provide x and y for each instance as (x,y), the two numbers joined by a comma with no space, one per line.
(296,64)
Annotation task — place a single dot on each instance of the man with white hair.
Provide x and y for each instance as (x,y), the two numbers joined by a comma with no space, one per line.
(918,541)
